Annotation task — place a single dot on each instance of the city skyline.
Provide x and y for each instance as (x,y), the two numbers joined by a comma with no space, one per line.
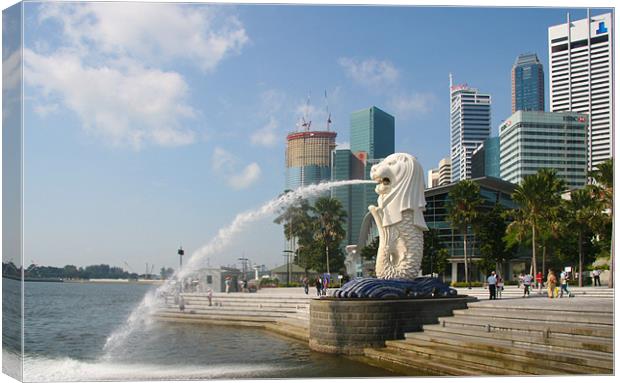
(194,143)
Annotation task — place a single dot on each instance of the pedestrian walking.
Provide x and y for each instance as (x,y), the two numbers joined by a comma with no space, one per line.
(539,281)
(319,286)
(552,282)
(209,295)
(325,284)
(306,283)
(527,283)
(227,283)
(564,284)
(492,281)
(596,274)
(181,304)
(500,286)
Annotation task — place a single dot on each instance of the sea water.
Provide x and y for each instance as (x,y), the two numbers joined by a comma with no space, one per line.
(67,324)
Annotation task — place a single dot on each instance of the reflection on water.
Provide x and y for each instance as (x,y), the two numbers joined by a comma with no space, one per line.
(67,325)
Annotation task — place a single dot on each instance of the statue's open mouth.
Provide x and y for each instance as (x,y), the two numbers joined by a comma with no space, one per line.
(385,181)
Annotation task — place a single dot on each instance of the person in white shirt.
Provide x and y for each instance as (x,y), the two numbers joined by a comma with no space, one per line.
(527,282)
(492,281)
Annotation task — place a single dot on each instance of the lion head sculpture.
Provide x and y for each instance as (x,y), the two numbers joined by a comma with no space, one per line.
(400,187)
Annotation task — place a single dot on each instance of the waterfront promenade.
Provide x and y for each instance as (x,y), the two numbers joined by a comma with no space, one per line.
(508,336)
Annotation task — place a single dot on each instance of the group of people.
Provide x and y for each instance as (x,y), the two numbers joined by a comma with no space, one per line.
(321,283)
(553,291)
(496,284)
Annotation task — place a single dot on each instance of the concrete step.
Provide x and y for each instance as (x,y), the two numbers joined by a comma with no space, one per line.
(562,316)
(425,363)
(289,330)
(527,326)
(301,323)
(563,309)
(574,362)
(489,362)
(221,313)
(206,307)
(214,319)
(250,297)
(553,343)
(240,302)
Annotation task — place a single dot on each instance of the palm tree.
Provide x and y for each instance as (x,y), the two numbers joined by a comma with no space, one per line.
(536,195)
(462,206)
(584,210)
(332,218)
(552,229)
(604,177)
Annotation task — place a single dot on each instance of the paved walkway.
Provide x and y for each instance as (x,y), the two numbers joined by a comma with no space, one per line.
(578,303)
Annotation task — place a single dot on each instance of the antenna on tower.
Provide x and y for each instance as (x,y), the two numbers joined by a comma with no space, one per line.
(329,115)
(450,77)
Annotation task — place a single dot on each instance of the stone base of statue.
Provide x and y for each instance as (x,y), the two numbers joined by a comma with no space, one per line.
(348,325)
(422,287)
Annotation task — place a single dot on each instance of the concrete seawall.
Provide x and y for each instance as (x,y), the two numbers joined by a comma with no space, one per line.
(347,326)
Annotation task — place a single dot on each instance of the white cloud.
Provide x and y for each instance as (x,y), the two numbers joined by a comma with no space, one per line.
(247,177)
(131,105)
(45,110)
(407,105)
(154,32)
(222,160)
(109,66)
(226,165)
(369,72)
(268,135)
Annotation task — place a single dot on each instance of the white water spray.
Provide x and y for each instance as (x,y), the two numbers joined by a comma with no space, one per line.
(141,316)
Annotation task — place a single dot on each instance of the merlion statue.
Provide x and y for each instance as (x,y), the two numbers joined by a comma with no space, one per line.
(399,219)
(399,216)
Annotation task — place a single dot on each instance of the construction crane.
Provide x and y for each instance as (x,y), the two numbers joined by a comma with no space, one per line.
(305,119)
(329,115)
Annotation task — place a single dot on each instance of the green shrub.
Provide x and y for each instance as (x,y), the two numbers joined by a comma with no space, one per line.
(465,284)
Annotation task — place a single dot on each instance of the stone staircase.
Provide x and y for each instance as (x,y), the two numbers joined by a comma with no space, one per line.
(536,336)
(516,292)
(282,314)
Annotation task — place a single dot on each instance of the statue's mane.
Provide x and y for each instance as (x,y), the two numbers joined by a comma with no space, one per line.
(407,192)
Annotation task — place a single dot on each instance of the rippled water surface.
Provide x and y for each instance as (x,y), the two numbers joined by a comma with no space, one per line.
(67,325)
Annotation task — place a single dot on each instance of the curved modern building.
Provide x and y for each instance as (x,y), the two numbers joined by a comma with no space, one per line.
(308,157)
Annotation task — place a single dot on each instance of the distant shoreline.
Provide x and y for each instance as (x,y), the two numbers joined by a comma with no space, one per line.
(106,281)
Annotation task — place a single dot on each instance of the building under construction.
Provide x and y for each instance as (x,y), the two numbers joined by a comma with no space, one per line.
(308,157)
(308,153)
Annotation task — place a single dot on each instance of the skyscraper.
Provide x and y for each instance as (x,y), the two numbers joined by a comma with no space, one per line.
(528,83)
(308,157)
(470,125)
(485,159)
(433,178)
(533,140)
(372,139)
(580,62)
(441,175)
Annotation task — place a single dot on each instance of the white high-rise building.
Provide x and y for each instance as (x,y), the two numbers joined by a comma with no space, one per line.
(470,125)
(580,62)
(445,171)
(433,178)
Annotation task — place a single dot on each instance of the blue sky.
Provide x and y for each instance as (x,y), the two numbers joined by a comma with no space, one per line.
(139,138)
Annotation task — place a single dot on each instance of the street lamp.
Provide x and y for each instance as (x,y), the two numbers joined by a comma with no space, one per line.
(243,266)
(324,229)
(288,266)
(181,252)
